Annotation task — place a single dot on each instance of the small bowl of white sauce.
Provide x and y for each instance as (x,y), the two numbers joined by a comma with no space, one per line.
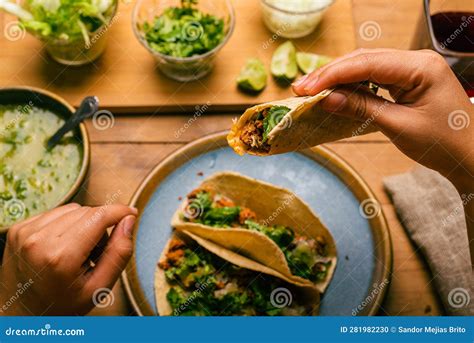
(293,18)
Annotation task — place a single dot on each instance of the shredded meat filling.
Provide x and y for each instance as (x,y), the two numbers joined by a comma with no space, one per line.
(252,134)
(224,202)
(246,214)
(175,253)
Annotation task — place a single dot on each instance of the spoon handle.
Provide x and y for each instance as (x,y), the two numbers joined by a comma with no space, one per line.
(88,107)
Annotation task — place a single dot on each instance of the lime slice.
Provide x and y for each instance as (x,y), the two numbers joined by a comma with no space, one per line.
(284,62)
(253,76)
(308,62)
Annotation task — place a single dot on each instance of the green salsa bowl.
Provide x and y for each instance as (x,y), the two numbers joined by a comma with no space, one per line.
(33,179)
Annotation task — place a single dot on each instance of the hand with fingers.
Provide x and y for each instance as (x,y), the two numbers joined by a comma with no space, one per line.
(50,263)
(429,119)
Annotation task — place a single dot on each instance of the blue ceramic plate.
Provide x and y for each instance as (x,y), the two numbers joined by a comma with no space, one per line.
(319,177)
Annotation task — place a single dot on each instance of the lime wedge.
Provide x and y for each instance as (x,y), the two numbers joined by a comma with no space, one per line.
(284,62)
(253,76)
(308,62)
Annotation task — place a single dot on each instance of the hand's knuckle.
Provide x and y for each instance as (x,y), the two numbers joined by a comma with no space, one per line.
(12,235)
(366,58)
(72,205)
(31,243)
(114,212)
(53,261)
(125,251)
(434,59)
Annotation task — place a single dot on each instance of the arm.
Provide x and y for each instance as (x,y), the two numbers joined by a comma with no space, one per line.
(46,268)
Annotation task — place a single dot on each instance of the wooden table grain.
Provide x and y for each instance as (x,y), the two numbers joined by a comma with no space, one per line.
(126,79)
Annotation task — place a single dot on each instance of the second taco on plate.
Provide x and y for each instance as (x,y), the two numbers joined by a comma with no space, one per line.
(263,222)
(196,277)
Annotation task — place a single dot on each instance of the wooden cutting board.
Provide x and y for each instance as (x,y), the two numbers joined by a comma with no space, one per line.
(125,78)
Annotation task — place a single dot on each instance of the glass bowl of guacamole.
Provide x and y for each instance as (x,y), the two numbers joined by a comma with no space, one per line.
(32,178)
(184,36)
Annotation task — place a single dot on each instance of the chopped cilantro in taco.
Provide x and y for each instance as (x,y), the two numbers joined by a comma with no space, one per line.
(255,132)
(203,284)
(306,257)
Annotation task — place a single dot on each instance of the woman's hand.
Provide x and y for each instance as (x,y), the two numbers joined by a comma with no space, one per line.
(47,267)
(429,120)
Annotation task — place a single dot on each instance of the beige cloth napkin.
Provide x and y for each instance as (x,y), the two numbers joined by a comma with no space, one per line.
(432,213)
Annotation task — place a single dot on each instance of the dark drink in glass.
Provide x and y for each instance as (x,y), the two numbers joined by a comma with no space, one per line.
(450,32)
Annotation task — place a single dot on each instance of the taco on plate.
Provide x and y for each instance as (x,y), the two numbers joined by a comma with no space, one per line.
(195,277)
(265,223)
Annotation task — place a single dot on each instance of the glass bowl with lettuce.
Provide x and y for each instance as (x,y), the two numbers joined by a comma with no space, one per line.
(184,35)
(74,31)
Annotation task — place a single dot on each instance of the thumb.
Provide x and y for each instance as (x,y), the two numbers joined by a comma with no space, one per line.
(115,256)
(363,106)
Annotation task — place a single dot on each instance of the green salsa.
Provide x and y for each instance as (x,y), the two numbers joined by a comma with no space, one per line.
(33,179)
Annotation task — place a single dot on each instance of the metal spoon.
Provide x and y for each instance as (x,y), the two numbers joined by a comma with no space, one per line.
(88,107)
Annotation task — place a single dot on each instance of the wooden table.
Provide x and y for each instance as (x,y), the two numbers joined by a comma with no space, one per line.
(130,149)
(125,153)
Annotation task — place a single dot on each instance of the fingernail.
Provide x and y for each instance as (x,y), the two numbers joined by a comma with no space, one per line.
(134,209)
(334,102)
(300,80)
(127,225)
(311,84)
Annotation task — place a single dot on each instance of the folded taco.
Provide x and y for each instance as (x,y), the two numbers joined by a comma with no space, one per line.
(265,223)
(199,278)
(289,125)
